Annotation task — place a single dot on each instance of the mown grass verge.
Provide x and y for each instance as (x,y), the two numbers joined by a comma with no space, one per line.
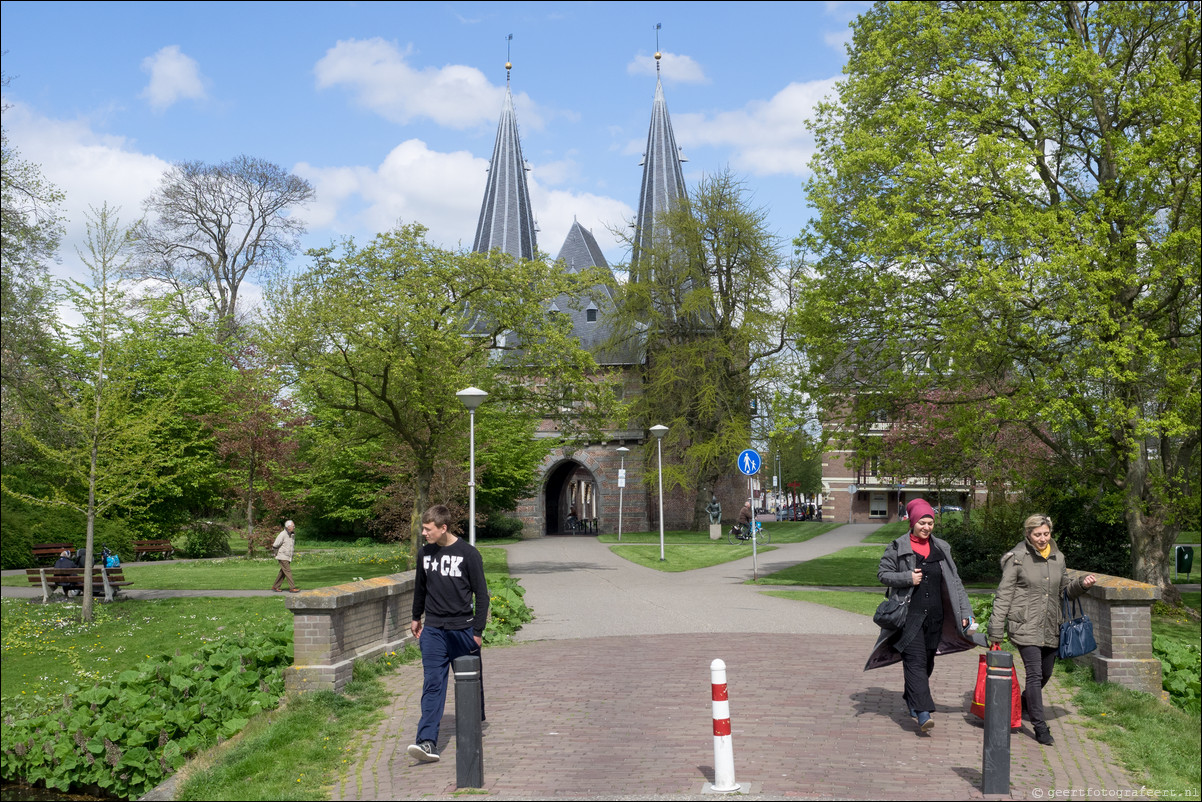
(679,558)
(293,753)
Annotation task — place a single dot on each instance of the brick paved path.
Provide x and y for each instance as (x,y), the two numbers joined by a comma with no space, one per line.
(628,716)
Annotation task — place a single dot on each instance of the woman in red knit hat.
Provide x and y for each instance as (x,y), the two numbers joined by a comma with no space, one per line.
(918,569)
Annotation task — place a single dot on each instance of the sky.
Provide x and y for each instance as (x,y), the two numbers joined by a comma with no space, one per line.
(390,109)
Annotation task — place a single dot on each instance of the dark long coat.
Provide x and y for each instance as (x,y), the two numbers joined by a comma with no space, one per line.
(895,572)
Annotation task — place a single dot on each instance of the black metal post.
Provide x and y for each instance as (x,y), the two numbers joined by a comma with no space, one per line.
(469,710)
(995,757)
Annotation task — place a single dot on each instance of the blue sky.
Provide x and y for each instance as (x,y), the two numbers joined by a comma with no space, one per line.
(390,109)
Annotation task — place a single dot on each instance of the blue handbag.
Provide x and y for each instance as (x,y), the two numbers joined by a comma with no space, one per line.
(1076,634)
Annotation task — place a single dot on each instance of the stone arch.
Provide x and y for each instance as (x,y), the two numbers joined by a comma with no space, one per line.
(571,483)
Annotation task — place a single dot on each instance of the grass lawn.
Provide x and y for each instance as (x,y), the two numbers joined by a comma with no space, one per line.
(683,557)
(888,532)
(854,566)
(44,645)
(309,570)
(851,601)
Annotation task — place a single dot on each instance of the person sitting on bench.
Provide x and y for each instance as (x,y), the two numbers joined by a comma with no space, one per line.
(64,561)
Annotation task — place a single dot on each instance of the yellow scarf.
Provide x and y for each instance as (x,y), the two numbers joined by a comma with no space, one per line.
(1046,550)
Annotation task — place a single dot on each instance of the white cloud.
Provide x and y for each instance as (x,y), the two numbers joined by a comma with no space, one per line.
(677,68)
(443,192)
(766,137)
(381,79)
(173,76)
(89,168)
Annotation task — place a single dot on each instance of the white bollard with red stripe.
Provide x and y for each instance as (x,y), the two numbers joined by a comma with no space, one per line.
(724,750)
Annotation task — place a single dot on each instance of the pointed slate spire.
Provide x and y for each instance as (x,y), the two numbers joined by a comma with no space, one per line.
(663,178)
(506,221)
(580,250)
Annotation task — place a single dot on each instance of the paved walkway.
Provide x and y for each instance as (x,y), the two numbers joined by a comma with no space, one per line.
(606,696)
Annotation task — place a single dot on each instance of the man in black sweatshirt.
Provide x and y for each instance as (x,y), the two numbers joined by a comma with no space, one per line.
(450,573)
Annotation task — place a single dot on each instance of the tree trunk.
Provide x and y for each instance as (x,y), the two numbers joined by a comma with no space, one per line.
(1151,539)
(421,500)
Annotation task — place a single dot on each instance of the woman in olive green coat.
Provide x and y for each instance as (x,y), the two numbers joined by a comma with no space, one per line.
(1028,605)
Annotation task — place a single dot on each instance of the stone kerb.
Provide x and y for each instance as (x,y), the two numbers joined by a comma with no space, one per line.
(1121,612)
(332,627)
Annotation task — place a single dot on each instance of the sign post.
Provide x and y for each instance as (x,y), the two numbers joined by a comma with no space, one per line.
(749,465)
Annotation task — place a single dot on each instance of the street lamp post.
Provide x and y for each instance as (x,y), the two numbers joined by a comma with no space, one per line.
(472,398)
(623,450)
(659,430)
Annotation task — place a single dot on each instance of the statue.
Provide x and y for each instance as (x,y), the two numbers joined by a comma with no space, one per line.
(714,508)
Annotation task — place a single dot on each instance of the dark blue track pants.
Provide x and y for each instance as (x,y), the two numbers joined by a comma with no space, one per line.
(439,647)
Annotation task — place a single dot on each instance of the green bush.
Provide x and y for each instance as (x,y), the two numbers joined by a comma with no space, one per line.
(502,526)
(507,609)
(1182,664)
(125,734)
(207,539)
(25,524)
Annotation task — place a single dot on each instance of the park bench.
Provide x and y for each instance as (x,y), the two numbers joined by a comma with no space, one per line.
(106,581)
(50,551)
(163,547)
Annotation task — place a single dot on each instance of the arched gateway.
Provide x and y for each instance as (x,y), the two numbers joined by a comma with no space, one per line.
(570,502)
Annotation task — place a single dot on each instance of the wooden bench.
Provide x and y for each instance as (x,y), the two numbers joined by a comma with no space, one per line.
(50,551)
(163,547)
(106,581)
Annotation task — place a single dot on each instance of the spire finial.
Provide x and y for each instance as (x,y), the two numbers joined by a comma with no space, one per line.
(658,55)
(508,62)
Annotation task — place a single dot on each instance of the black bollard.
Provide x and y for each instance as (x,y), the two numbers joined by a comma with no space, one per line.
(995,754)
(469,708)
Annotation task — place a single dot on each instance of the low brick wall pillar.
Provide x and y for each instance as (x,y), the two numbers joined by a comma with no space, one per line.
(332,627)
(1121,612)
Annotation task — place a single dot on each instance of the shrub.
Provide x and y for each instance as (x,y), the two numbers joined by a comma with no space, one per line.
(498,526)
(25,524)
(507,609)
(207,539)
(1182,664)
(125,734)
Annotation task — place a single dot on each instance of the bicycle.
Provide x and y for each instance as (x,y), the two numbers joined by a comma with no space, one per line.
(737,535)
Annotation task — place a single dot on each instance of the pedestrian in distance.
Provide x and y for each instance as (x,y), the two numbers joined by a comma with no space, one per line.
(918,568)
(283,548)
(451,593)
(1028,605)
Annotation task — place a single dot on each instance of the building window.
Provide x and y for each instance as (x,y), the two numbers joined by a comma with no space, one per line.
(878,506)
(591,315)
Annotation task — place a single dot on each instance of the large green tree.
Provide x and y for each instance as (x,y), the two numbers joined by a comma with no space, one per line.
(102,452)
(30,230)
(382,337)
(1007,201)
(709,301)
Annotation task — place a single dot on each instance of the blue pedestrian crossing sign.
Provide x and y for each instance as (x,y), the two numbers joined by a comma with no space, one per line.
(749,462)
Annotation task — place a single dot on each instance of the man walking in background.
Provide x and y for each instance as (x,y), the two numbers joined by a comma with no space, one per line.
(282,548)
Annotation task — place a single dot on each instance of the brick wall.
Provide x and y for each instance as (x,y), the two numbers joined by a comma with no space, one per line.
(332,627)
(1121,612)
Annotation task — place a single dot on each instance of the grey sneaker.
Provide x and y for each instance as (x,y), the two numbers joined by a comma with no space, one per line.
(925,722)
(425,752)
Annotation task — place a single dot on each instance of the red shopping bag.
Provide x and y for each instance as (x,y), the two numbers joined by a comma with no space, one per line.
(1016,695)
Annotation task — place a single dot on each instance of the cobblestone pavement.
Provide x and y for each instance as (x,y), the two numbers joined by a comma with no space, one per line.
(611,698)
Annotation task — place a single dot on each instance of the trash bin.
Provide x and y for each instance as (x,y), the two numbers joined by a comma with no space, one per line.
(1185,559)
